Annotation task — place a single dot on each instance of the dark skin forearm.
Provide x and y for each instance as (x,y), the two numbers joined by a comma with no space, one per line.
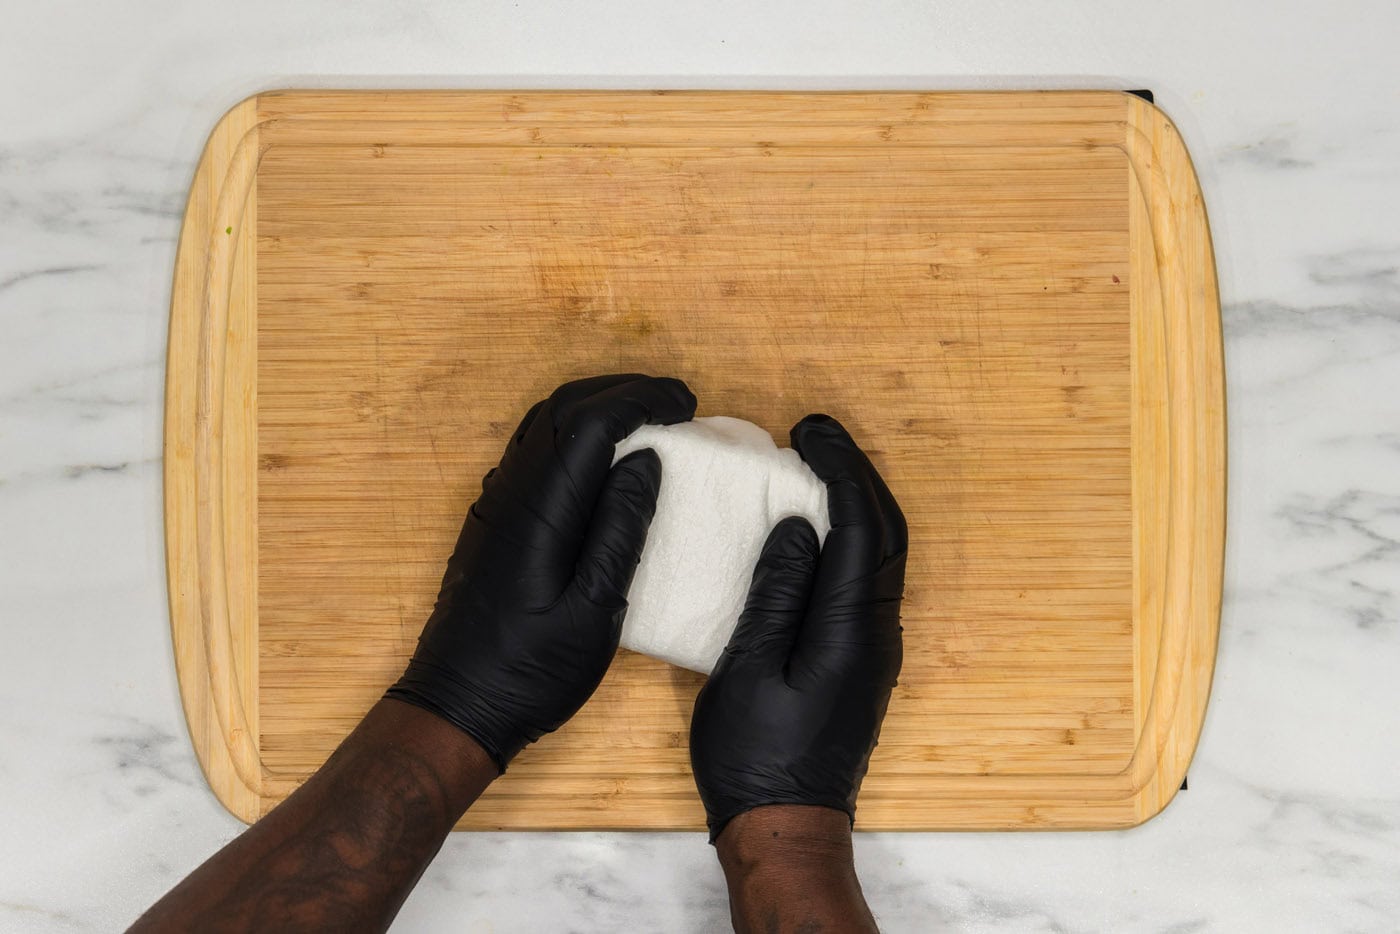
(790,868)
(343,851)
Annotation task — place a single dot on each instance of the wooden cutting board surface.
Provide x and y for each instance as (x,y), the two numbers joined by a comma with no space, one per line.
(1009,298)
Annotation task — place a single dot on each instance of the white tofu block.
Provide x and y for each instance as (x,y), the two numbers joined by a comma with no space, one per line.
(724,485)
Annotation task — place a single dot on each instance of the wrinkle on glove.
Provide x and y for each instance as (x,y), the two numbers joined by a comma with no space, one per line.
(531,606)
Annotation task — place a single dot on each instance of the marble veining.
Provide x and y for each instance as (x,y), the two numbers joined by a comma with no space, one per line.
(1292,820)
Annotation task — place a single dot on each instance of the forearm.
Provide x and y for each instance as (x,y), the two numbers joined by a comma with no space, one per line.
(791,868)
(342,852)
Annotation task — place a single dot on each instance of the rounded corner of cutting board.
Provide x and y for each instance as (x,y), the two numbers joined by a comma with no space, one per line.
(1152,800)
(242,802)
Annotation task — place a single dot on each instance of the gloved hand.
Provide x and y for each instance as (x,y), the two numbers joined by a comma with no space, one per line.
(792,710)
(531,607)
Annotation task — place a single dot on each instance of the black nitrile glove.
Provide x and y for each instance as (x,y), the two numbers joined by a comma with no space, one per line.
(531,606)
(792,710)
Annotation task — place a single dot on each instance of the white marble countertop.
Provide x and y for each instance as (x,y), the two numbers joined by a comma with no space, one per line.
(1292,820)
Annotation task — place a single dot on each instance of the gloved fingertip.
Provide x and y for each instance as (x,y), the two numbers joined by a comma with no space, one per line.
(817,419)
(686,402)
(628,500)
(639,483)
(827,447)
(786,564)
(792,543)
(815,424)
(640,469)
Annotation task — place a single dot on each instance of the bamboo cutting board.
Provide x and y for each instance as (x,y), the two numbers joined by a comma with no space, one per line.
(1009,298)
